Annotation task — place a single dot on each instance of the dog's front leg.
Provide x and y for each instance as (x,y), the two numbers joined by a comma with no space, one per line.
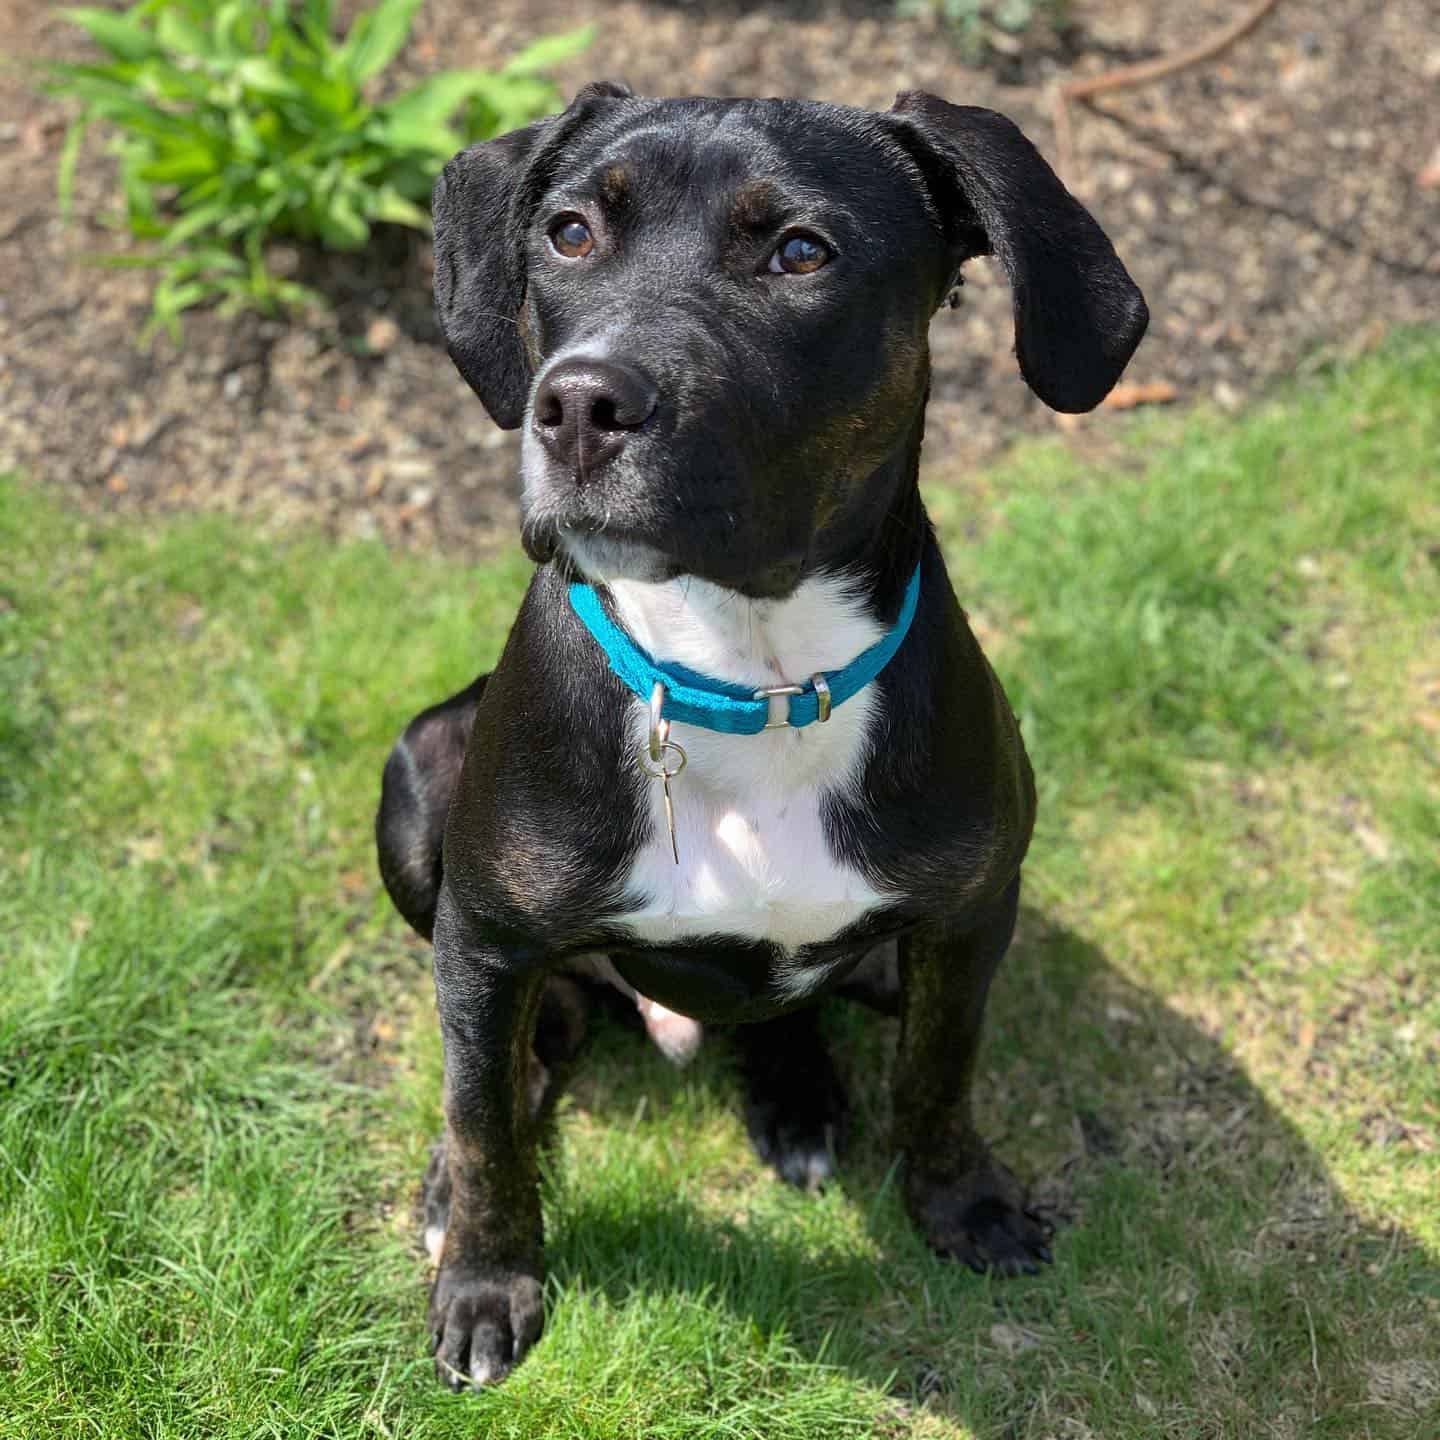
(485,1308)
(966,1203)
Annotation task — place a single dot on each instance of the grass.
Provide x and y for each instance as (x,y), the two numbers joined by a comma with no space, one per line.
(1214,1043)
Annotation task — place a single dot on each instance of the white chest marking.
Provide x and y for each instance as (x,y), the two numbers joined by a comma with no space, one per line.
(754,859)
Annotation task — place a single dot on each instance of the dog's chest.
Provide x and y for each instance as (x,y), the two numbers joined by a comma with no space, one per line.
(755,859)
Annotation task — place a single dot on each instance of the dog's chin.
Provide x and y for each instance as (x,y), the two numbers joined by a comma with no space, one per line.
(601,558)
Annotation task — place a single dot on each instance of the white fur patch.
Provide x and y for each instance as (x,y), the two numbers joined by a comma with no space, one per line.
(754,859)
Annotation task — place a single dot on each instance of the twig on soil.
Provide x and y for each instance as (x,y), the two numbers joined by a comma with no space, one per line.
(1143,73)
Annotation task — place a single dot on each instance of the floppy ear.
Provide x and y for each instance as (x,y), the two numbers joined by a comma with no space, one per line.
(1078,314)
(480,206)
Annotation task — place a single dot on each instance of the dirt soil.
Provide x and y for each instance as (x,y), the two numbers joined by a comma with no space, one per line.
(1278,205)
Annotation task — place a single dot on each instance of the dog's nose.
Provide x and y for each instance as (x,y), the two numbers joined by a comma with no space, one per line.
(585,410)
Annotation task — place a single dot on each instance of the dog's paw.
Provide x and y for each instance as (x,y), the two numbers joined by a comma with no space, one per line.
(483,1321)
(980,1219)
(799,1130)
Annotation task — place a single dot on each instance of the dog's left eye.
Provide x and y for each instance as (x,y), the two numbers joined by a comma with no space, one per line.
(799,255)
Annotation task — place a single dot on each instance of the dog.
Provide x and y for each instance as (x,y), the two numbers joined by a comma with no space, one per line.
(741,740)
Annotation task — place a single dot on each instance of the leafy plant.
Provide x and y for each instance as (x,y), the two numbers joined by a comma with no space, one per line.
(250,120)
(975,22)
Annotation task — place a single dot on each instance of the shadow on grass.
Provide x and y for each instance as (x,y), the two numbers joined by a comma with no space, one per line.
(1204,1256)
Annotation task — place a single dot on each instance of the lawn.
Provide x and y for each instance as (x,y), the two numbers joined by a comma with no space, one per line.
(1214,1045)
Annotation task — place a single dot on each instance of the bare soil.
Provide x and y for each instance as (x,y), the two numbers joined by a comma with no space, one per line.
(1278,205)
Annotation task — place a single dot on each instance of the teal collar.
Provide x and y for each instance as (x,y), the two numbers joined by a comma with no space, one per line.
(722,705)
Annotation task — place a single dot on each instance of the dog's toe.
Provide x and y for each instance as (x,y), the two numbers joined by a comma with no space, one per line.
(795,1106)
(980,1219)
(800,1138)
(804,1159)
(482,1324)
(997,1237)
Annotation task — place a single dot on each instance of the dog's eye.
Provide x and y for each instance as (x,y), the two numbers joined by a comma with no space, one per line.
(799,255)
(571,237)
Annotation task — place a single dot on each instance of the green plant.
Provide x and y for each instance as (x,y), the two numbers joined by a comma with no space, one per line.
(975,22)
(251,120)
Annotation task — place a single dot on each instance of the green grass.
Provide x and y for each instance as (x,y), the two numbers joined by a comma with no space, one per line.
(1214,1044)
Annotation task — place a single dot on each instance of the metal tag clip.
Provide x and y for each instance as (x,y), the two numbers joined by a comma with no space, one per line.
(652,757)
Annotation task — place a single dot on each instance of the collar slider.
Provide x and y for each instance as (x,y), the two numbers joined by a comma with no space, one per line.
(767,692)
(822,697)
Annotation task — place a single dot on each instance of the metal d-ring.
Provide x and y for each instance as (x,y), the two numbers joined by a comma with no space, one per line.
(659,744)
(659,735)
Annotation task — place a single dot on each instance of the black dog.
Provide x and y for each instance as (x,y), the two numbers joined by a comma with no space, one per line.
(711,318)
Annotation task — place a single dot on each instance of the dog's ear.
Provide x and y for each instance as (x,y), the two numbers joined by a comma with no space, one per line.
(480,207)
(1078,314)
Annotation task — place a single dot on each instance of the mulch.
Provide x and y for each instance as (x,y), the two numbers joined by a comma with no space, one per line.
(1279,206)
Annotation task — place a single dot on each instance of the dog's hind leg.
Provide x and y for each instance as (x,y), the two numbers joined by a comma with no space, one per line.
(420,779)
(966,1203)
(795,1104)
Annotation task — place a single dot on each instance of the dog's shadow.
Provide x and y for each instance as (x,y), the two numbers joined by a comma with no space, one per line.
(1203,1253)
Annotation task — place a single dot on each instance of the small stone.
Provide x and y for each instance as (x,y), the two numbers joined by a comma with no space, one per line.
(1012,1339)
(1428,177)
(381,335)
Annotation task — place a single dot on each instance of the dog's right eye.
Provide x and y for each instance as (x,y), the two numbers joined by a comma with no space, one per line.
(570,236)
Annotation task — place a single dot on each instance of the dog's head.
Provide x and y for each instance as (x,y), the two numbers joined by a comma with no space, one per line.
(710,315)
